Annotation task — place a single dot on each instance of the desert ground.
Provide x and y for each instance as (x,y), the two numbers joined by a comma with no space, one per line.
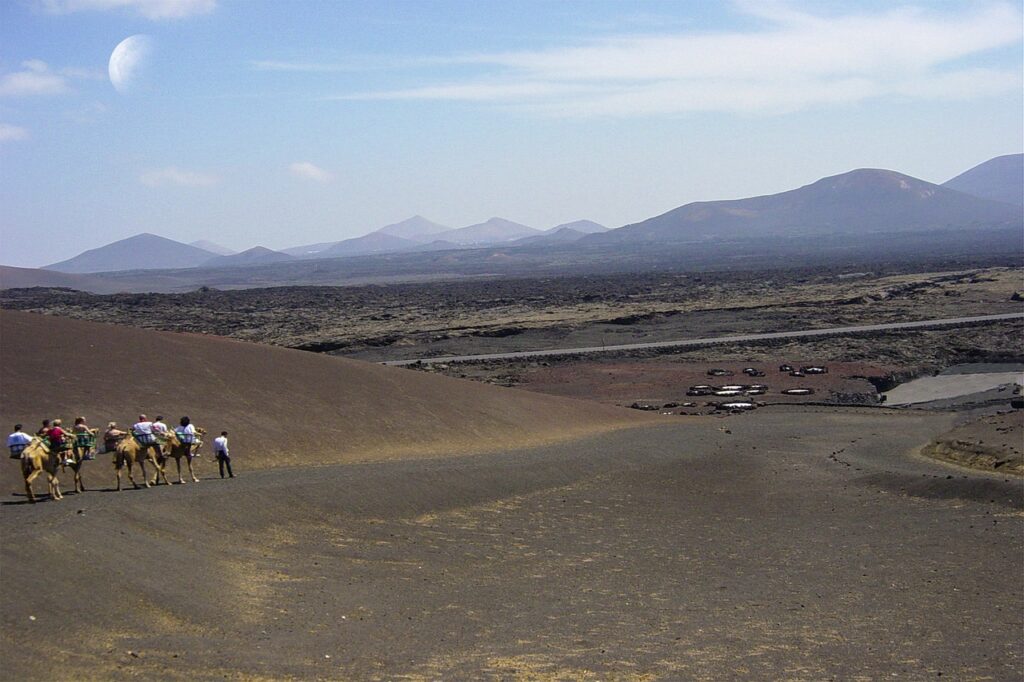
(826,551)
(391,524)
(491,315)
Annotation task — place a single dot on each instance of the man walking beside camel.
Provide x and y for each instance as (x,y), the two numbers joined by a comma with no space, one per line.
(220,451)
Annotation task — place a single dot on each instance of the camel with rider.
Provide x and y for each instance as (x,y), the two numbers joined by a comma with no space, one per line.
(131,451)
(175,447)
(83,446)
(37,458)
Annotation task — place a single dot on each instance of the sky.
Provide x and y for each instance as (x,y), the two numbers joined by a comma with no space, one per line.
(275,123)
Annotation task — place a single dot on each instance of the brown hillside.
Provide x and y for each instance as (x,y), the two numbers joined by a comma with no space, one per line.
(282,407)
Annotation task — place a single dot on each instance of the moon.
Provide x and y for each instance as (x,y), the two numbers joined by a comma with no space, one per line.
(128,60)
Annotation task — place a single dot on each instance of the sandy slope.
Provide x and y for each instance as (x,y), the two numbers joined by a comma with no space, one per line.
(791,543)
(281,407)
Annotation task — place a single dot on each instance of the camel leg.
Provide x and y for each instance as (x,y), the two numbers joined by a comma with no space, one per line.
(117,470)
(177,461)
(142,466)
(54,485)
(155,461)
(28,484)
(79,486)
(131,478)
(159,472)
(191,471)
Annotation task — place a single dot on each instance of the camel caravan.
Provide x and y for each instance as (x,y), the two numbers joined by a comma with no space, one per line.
(54,449)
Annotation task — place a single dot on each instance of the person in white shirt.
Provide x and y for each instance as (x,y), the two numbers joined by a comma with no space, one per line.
(18,441)
(159,428)
(143,430)
(220,451)
(185,431)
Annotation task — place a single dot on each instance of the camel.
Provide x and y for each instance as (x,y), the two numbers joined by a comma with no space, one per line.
(82,445)
(173,447)
(129,451)
(36,458)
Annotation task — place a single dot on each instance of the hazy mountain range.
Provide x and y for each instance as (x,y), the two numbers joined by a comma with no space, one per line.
(864,204)
(152,252)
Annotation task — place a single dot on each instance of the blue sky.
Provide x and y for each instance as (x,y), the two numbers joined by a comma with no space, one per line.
(283,123)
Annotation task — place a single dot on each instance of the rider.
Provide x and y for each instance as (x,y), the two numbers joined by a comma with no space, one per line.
(18,441)
(143,431)
(159,428)
(186,433)
(44,429)
(58,436)
(84,437)
(112,436)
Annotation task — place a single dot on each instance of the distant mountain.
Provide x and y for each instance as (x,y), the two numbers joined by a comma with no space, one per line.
(998,179)
(142,252)
(855,203)
(416,228)
(308,250)
(257,255)
(213,247)
(436,245)
(493,231)
(564,235)
(407,234)
(375,242)
(583,226)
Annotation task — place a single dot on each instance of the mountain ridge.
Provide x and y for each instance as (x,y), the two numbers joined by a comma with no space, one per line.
(143,251)
(416,228)
(860,201)
(1000,179)
(492,231)
(257,255)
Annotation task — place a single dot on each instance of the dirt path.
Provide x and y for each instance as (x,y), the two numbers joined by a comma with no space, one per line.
(798,543)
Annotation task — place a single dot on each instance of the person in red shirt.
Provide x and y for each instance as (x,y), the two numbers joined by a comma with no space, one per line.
(58,440)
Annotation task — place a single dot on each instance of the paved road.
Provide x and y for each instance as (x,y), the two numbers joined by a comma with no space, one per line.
(718,340)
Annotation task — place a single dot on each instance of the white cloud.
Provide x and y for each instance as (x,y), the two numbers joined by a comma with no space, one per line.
(88,113)
(796,60)
(352,64)
(35,65)
(176,176)
(11,133)
(35,78)
(85,74)
(309,171)
(150,9)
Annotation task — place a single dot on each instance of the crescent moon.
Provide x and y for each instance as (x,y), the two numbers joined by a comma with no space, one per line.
(127,60)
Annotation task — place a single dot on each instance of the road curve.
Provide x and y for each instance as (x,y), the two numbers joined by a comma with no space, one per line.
(719,340)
